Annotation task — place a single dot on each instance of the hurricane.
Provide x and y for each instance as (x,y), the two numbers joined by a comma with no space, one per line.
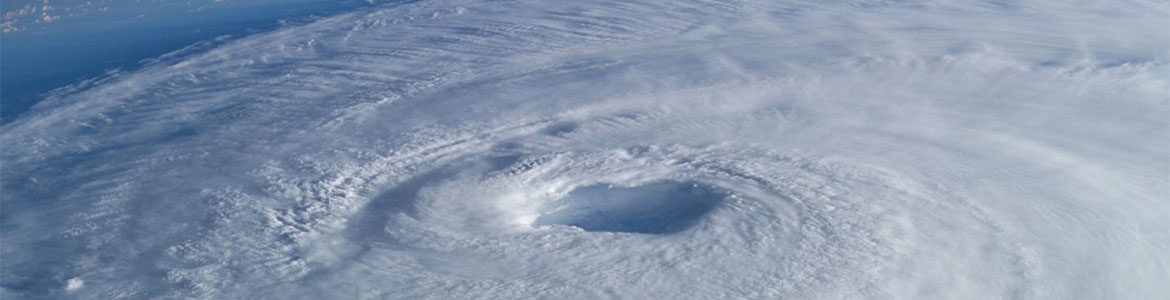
(708,149)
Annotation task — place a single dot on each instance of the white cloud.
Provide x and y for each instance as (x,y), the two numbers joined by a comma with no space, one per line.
(872,149)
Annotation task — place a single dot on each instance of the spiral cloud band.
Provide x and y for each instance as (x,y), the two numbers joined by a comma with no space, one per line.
(449,149)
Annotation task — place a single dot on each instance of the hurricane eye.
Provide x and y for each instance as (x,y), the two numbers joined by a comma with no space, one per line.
(655,208)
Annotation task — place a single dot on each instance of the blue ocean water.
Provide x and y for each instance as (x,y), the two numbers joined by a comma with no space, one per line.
(97,39)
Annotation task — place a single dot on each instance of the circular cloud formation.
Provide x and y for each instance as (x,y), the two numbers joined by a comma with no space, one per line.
(626,149)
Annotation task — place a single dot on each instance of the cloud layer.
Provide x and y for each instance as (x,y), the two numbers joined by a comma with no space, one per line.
(448,149)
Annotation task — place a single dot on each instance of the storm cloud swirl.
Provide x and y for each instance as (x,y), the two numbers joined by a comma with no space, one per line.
(454,149)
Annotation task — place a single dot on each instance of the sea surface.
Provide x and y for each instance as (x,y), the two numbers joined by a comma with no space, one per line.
(89,41)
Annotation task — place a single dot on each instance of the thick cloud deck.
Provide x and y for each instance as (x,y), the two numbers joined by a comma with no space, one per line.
(451,149)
